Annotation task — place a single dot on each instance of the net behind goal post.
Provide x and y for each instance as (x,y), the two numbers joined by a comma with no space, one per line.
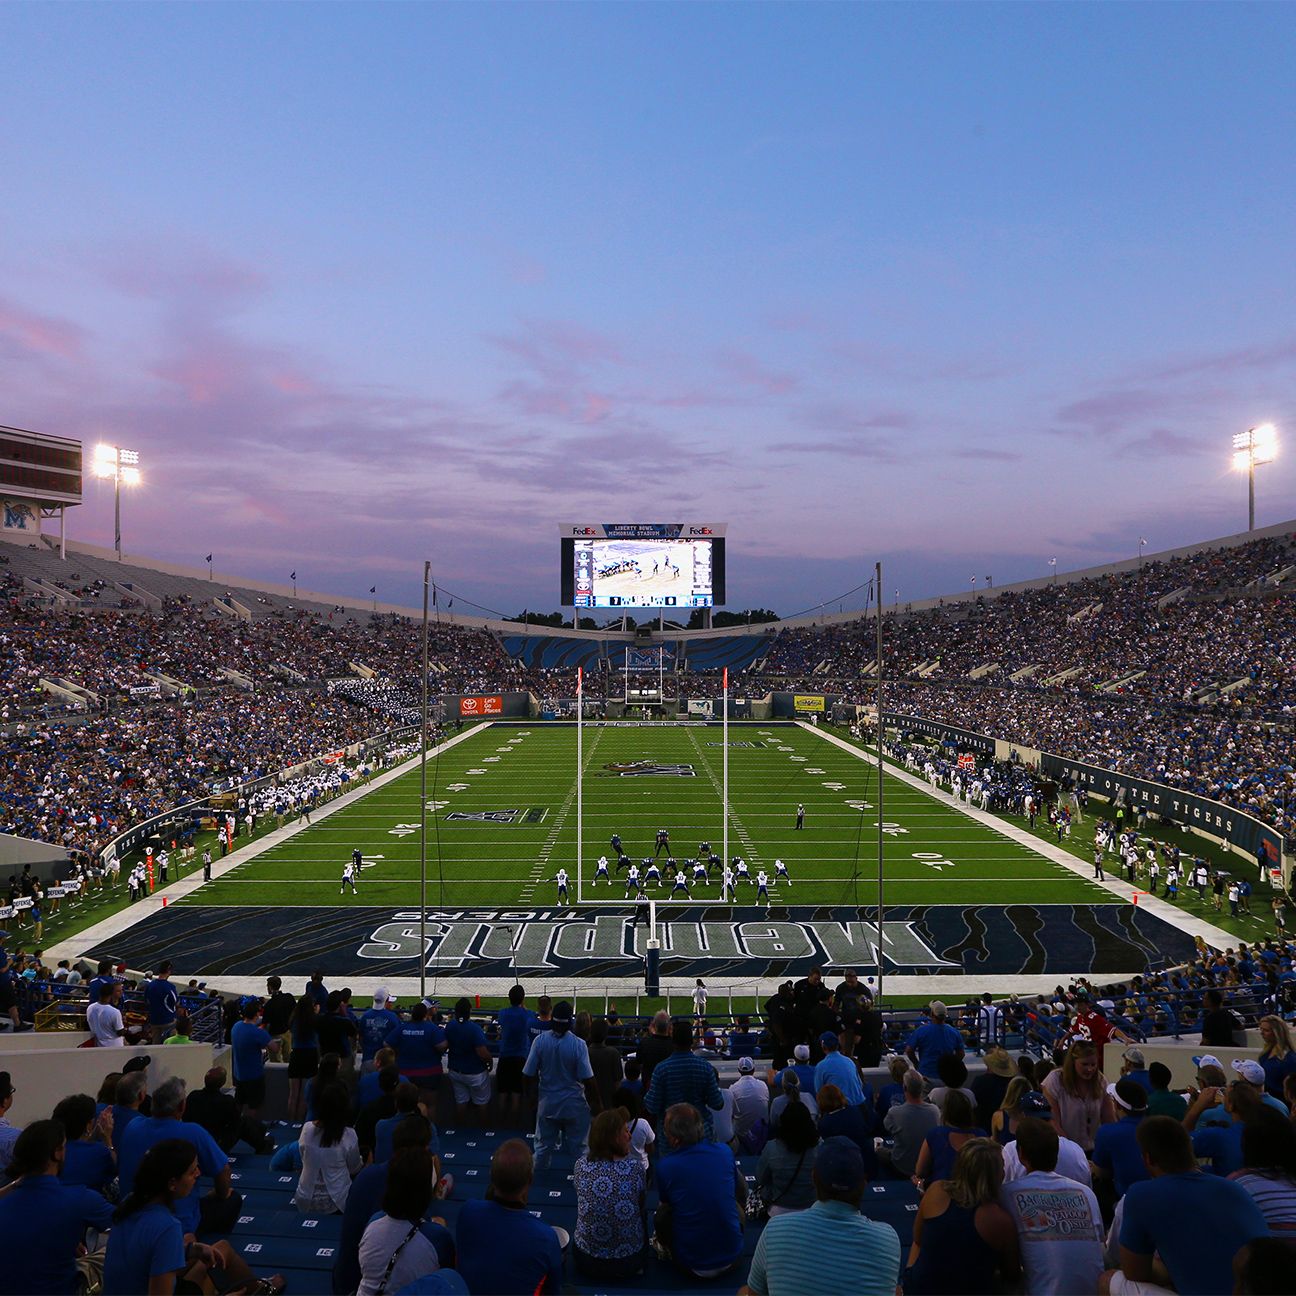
(585,869)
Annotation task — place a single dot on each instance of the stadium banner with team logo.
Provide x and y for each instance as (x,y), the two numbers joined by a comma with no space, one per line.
(1246,834)
(949,735)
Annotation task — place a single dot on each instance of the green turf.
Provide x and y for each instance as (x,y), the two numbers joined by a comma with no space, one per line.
(934,855)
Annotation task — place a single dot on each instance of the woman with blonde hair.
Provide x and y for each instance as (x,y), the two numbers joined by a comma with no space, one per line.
(1003,1124)
(1077,1095)
(1278,1057)
(962,1235)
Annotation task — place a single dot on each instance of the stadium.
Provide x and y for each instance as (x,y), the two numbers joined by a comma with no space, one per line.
(719,930)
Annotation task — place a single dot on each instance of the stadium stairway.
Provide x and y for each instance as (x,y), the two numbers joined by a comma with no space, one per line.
(274,1237)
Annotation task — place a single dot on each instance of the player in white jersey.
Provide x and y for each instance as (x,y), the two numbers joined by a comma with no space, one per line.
(348,879)
(1154,872)
(602,870)
(632,881)
(780,871)
(699,872)
(652,873)
(681,884)
(561,879)
(741,873)
(762,886)
(727,889)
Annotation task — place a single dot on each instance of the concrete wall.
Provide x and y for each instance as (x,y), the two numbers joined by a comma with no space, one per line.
(43,1075)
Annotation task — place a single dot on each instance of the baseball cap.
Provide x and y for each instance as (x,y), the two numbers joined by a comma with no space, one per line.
(1249,1070)
(380,997)
(138,1063)
(1207,1059)
(829,1038)
(802,1052)
(746,1066)
(562,1012)
(1035,1104)
(1128,1094)
(1134,1055)
(937,1009)
(839,1164)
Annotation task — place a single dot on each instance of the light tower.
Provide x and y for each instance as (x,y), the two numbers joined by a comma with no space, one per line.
(122,466)
(1257,445)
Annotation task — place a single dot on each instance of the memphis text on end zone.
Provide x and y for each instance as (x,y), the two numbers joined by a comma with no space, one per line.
(541,938)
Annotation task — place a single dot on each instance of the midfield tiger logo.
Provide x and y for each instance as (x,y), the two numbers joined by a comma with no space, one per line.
(633,769)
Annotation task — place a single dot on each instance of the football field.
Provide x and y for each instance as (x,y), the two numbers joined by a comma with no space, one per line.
(502,819)
(962,894)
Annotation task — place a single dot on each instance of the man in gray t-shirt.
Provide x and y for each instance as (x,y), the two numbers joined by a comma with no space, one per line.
(559,1062)
(909,1123)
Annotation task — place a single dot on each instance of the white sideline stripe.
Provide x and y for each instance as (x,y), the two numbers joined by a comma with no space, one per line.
(945,878)
(1154,904)
(115,924)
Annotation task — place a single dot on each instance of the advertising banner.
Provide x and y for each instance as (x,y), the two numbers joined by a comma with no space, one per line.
(807,701)
(479,706)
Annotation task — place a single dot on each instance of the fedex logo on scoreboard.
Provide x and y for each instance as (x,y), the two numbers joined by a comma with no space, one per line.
(584,531)
(700,531)
(475,706)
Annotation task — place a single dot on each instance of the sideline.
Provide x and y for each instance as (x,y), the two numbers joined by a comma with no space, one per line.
(1189,923)
(107,928)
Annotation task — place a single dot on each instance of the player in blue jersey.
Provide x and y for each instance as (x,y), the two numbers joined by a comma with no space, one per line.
(663,842)
(616,842)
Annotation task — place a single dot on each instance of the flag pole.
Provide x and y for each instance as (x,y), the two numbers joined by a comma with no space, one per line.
(580,780)
(423,811)
(724,760)
(881,834)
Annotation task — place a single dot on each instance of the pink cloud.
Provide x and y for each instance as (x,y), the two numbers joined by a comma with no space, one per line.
(754,373)
(40,334)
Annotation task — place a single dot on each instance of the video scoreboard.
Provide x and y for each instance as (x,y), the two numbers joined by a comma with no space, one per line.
(643,564)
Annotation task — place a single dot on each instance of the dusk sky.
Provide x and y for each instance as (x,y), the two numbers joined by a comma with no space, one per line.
(959,287)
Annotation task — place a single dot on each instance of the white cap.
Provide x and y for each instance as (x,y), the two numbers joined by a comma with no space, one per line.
(381,997)
(802,1052)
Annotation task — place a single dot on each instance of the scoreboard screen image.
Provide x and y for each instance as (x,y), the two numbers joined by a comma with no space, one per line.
(642,565)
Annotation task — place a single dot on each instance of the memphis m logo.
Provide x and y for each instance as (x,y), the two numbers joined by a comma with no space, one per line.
(636,769)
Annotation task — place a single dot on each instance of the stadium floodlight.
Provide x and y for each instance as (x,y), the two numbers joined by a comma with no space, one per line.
(123,467)
(1257,445)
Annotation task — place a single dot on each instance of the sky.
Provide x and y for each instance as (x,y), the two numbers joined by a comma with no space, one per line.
(957,287)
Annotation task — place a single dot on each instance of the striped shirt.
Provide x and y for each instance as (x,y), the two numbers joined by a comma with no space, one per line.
(1276,1198)
(864,1255)
(684,1078)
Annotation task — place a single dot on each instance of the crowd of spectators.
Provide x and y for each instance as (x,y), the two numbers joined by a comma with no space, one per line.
(1159,1190)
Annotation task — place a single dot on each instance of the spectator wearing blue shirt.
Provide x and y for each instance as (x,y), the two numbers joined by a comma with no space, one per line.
(317,990)
(501,1246)
(932,1040)
(249,1043)
(684,1077)
(515,1024)
(364,1201)
(376,1024)
(42,1221)
(701,1190)
(1221,1145)
(161,998)
(88,1157)
(559,1062)
(837,1069)
(419,1044)
(406,1099)
(1194,1223)
(469,1062)
(146,1248)
(1116,1154)
(167,1123)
